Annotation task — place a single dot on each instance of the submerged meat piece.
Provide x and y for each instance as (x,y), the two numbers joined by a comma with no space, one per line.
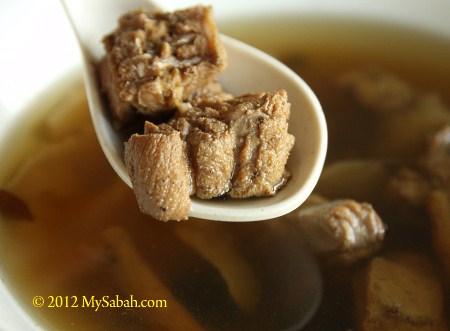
(409,186)
(401,293)
(407,114)
(437,158)
(155,60)
(159,172)
(378,90)
(238,147)
(341,231)
(438,205)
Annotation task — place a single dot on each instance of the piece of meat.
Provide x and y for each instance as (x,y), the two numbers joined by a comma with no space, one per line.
(208,94)
(409,186)
(404,114)
(161,62)
(401,293)
(236,148)
(437,157)
(211,146)
(121,111)
(438,205)
(155,60)
(378,90)
(260,123)
(158,168)
(405,197)
(341,231)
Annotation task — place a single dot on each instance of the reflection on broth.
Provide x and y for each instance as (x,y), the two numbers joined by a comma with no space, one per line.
(88,237)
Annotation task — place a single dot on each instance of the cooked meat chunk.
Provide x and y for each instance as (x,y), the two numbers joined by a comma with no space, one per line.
(437,158)
(407,115)
(214,144)
(405,198)
(438,204)
(401,293)
(377,90)
(211,149)
(341,231)
(238,147)
(209,94)
(121,111)
(155,60)
(409,186)
(260,122)
(210,144)
(159,172)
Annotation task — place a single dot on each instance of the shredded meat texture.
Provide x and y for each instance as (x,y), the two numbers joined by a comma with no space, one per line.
(341,231)
(155,60)
(238,147)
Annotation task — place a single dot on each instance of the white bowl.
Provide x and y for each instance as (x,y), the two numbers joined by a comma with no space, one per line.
(38,47)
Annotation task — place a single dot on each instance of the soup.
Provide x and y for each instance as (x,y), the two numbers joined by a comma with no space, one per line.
(78,233)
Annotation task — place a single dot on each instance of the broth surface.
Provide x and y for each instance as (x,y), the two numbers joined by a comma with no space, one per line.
(59,171)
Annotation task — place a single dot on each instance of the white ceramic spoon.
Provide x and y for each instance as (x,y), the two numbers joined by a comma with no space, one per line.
(249,70)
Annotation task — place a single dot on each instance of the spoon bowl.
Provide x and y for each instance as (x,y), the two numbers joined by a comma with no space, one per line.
(249,70)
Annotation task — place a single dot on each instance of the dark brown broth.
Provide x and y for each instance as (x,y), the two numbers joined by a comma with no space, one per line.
(76,196)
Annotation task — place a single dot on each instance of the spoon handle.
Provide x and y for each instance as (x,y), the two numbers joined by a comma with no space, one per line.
(93,19)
